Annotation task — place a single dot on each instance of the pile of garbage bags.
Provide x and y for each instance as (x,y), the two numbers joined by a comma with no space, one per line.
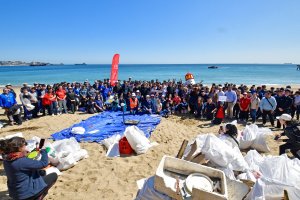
(271,175)
(135,137)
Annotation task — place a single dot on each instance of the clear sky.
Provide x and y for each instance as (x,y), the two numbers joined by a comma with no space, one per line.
(150,31)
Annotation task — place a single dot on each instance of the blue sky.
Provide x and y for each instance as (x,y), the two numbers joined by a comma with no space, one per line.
(150,31)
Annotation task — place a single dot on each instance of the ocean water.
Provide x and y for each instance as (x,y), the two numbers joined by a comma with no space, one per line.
(233,73)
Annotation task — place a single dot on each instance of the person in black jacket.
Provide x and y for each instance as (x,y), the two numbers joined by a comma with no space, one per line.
(284,103)
(292,132)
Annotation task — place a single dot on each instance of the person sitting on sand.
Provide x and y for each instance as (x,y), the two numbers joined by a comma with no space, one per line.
(23,174)
(176,102)
(147,105)
(209,108)
(158,106)
(99,103)
(198,107)
(292,131)
(220,113)
(183,106)
(90,106)
(115,103)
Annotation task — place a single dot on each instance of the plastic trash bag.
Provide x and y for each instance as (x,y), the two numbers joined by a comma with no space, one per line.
(260,142)
(255,138)
(217,151)
(248,137)
(66,160)
(68,152)
(52,154)
(137,139)
(78,130)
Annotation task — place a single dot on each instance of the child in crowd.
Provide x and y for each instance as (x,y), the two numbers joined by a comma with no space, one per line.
(220,113)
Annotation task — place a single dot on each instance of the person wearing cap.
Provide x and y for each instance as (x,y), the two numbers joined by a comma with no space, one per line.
(244,107)
(134,104)
(9,87)
(147,105)
(267,106)
(9,104)
(292,132)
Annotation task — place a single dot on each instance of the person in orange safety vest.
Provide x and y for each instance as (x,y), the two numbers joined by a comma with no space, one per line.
(134,104)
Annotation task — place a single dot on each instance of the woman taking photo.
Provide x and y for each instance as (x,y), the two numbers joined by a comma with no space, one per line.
(23,174)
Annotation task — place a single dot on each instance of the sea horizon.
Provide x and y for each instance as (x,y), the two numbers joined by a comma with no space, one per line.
(268,74)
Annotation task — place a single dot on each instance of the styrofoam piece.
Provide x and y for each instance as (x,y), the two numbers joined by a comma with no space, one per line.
(172,170)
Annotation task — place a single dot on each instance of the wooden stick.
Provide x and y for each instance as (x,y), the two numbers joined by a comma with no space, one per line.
(182,149)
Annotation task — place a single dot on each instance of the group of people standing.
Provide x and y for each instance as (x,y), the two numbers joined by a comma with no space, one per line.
(213,103)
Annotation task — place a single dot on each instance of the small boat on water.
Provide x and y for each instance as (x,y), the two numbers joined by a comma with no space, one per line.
(80,64)
(213,67)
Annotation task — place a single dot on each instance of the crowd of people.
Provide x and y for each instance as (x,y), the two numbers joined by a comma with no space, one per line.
(213,103)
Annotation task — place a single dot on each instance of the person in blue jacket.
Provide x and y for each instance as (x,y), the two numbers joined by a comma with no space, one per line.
(9,104)
(23,174)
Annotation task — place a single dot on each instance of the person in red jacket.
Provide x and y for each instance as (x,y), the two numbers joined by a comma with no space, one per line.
(220,113)
(245,102)
(47,101)
(176,102)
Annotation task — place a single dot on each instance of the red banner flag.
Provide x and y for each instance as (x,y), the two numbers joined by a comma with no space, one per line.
(114,70)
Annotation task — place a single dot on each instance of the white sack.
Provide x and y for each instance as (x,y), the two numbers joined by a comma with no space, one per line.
(260,142)
(248,136)
(217,151)
(78,130)
(111,140)
(52,154)
(68,152)
(137,139)
(66,160)
(68,145)
(79,155)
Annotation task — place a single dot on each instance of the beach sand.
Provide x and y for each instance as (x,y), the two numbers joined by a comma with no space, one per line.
(99,177)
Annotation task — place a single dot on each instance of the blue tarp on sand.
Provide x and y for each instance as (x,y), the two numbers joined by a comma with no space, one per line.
(106,124)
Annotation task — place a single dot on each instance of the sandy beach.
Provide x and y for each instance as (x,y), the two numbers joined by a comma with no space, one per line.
(99,177)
